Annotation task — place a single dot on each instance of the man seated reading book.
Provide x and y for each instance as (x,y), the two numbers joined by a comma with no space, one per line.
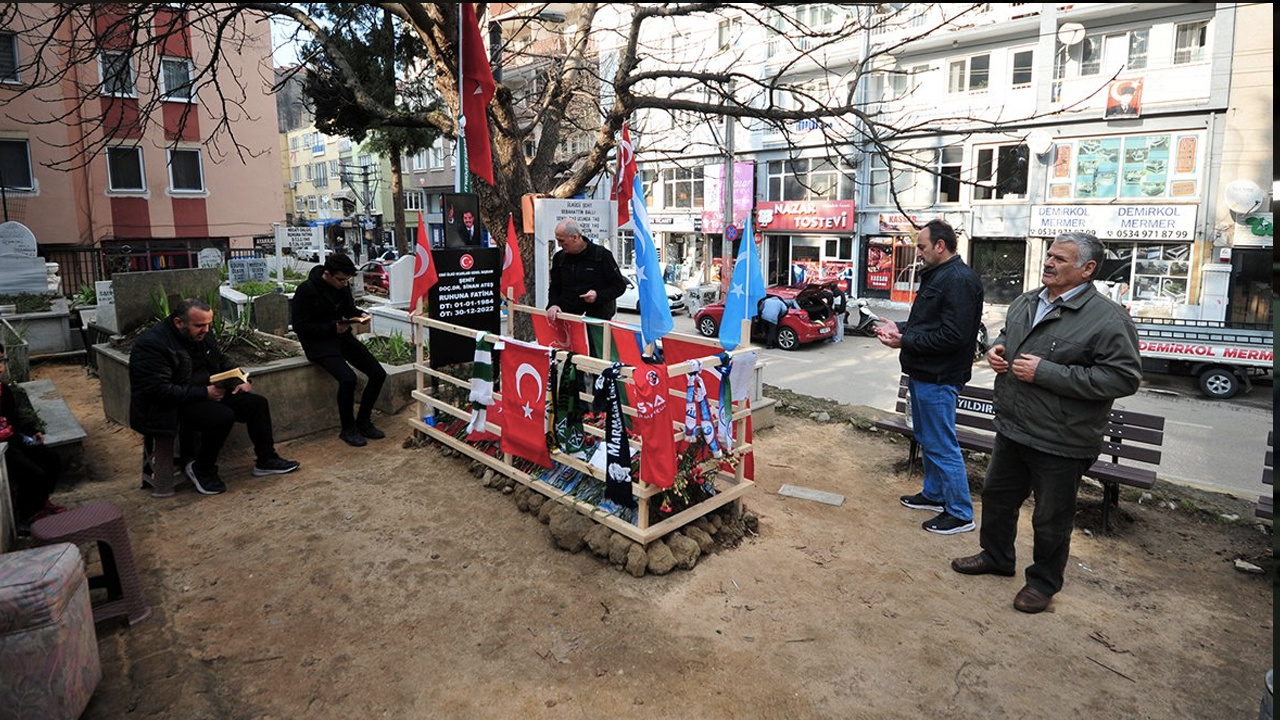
(172,369)
(324,312)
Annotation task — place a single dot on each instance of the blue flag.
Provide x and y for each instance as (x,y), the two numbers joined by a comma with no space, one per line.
(655,313)
(746,290)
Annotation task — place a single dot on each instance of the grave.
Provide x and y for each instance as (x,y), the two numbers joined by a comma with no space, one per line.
(243,270)
(209,258)
(24,272)
(271,313)
(136,292)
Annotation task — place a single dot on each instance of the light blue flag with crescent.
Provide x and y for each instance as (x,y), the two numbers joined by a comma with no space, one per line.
(746,290)
(655,312)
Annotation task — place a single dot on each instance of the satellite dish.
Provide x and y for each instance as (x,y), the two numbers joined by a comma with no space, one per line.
(1039,142)
(1243,197)
(1070,33)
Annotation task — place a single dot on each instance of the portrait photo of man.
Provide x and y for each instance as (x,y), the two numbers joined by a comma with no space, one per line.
(462,221)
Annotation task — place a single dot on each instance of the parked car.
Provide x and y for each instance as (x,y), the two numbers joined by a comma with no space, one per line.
(808,318)
(630,299)
(376,278)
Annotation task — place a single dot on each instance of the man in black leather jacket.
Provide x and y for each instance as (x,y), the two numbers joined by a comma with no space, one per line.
(585,279)
(321,308)
(169,369)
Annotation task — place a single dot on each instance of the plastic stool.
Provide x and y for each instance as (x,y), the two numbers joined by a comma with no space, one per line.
(101,522)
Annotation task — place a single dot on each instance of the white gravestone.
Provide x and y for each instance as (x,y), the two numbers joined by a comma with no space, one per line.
(106,313)
(209,258)
(23,271)
(400,278)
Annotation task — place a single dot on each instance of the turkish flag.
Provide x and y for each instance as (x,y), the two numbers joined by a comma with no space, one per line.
(524,402)
(624,179)
(562,334)
(512,265)
(653,423)
(477,91)
(424,270)
(626,344)
(677,351)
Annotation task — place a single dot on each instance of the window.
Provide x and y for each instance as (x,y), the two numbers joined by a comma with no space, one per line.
(312,205)
(293,142)
(175,74)
(413,200)
(917,179)
(15,165)
(320,175)
(296,172)
(299,204)
(809,179)
(335,167)
(682,188)
(117,75)
(185,171)
(969,75)
(729,32)
(309,170)
(1189,42)
(1091,55)
(1022,63)
(9,58)
(1138,41)
(1001,172)
(124,169)
(439,151)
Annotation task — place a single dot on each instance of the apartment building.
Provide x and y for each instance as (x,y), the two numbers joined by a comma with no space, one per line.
(129,153)
(1026,119)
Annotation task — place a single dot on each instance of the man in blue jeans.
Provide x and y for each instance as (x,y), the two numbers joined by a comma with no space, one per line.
(937,344)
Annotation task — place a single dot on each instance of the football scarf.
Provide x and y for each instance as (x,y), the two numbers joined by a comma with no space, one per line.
(566,406)
(617,452)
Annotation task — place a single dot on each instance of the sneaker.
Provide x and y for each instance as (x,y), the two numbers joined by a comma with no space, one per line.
(275,465)
(208,483)
(920,502)
(352,437)
(369,430)
(947,524)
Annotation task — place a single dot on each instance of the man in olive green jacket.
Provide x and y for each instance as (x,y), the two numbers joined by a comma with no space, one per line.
(1066,353)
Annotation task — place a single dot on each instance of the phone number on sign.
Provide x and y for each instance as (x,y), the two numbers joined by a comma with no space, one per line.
(1151,234)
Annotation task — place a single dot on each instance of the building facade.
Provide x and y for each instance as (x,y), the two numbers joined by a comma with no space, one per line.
(130,152)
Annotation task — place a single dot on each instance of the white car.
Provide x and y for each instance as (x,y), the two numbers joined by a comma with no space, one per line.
(630,299)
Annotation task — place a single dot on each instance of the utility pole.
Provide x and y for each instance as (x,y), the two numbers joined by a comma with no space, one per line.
(726,242)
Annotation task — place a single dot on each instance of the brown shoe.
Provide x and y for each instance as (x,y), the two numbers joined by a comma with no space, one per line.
(1030,600)
(977,565)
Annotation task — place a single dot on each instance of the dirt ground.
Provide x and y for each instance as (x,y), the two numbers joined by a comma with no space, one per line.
(388,582)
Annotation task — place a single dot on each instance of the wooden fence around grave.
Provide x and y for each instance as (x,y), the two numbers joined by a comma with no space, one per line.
(729,486)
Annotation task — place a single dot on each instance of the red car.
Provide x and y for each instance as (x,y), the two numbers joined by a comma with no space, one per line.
(376,278)
(808,317)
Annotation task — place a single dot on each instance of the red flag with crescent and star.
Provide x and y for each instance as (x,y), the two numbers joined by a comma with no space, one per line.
(424,270)
(625,177)
(512,265)
(477,91)
(524,402)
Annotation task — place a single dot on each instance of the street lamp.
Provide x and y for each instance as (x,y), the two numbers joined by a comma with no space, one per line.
(554,17)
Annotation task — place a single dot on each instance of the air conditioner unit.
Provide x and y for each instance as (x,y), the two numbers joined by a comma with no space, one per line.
(293,184)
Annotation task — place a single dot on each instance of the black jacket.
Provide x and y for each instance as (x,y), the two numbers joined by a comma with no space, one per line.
(316,307)
(941,333)
(17,412)
(165,371)
(592,269)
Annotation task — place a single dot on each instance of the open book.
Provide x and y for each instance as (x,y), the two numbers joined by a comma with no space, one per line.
(229,379)
(359,320)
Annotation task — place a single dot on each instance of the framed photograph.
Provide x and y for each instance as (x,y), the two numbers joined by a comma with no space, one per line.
(462,225)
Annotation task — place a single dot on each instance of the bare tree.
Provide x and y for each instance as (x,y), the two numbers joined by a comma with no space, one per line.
(621,62)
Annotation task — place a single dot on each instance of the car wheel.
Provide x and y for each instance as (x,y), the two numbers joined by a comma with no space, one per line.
(1219,383)
(787,339)
(707,326)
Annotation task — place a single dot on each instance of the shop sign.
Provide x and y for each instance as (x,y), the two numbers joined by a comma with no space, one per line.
(818,216)
(900,223)
(1171,223)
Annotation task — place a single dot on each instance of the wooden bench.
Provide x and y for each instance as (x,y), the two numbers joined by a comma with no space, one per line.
(1131,437)
(1264,501)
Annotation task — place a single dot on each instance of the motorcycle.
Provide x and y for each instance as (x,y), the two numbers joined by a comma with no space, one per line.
(861,320)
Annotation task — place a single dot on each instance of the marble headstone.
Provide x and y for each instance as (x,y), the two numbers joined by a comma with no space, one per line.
(400,277)
(243,270)
(210,258)
(23,271)
(106,312)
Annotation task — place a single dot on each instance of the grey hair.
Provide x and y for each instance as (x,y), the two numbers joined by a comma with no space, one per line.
(1088,247)
(570,227)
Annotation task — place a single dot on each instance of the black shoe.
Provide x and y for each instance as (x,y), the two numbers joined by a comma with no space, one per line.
(920,502)
(275,465)
(352,437)
(947,524)
(369,430)
(208,483)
